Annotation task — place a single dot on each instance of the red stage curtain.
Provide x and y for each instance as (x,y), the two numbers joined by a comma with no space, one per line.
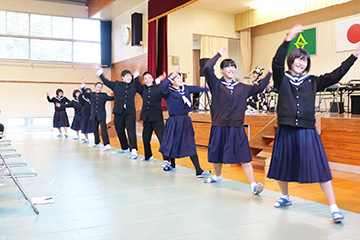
(162,51)
(152,48)
(160,8)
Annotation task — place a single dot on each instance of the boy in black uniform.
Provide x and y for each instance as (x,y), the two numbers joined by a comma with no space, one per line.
(151,111)
(98,113)
(124,108)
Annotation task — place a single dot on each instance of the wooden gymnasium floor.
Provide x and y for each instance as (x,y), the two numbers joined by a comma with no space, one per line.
(105,195)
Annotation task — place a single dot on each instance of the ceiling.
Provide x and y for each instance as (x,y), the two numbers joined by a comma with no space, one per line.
(118,7)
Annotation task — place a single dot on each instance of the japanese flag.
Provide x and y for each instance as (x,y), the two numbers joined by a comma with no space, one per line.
(347,34)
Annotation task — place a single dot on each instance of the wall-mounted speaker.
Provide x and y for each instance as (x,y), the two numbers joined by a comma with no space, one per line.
(202,65)
(136,29)
(105,43)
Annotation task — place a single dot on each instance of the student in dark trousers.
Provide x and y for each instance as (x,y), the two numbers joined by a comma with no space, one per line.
(124,109)
(298,154)
(2,129)
(98,112)
(151,110)
(86,123)
(76,123)
(228,143)
(60,119)
(179,141)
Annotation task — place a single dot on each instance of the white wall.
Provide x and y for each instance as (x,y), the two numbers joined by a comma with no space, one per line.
(120,50)
(186,22)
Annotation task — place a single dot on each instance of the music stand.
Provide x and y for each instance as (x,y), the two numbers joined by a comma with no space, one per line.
(207,100)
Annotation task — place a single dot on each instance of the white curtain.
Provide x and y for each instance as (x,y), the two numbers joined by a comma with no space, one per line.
(210,46)
(245,46)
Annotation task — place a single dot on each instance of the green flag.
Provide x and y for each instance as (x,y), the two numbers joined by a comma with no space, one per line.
(305,40)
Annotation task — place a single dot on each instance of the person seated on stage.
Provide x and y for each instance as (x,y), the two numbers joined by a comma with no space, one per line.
(2,129)
(98,112)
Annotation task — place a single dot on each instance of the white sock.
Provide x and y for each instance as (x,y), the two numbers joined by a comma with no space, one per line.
(334,208)
(133,151)
(287,197)
(253,184)
(217,178)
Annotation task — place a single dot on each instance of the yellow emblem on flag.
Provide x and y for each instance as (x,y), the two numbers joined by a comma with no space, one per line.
(300,42)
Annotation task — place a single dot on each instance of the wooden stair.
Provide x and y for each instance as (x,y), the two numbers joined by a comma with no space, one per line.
(260,146)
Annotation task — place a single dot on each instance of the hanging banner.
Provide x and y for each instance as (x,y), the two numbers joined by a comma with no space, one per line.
(305,40)
(347,34)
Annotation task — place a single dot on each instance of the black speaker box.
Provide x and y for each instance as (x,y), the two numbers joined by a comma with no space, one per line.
(355,104)
(136,29)
(203,61)
(105,43)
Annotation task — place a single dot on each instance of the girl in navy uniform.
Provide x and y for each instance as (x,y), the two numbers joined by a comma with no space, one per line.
(228,141)
(76,123)
(298,154)
(86,123)
(179,141)
(124,109)
(60,117)
(98,112)
(151,110)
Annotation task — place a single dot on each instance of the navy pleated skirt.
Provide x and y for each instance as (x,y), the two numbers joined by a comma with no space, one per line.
(60,119)
(298,156)
(228,145)
(86,124)
(76,123)
(178,141)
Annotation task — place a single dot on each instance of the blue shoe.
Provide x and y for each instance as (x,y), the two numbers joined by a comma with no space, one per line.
(168,168)
(258,189)
(124,151)
(203,174)
(211,180)
(337,217)
(133,156)
(282,202)
(85,141)
(165,164)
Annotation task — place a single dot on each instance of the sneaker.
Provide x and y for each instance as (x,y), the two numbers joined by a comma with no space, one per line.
(165,164)
(258,189)
(133,156)
(85,141)
(65,135)
(93,145)
(76,138)
(150,158)
(169,168)
(123,151)
(337,217)
(59,135)
(282,202)
(203,174)
(107,148)
(212,180)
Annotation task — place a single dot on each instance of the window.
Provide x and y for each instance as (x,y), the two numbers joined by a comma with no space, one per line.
(37,37)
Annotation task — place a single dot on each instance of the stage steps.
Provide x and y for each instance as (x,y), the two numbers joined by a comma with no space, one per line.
(261,146)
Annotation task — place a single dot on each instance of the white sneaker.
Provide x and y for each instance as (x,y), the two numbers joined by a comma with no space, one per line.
(107,148)
(165,164)
(93,145)
(65,135)
(59,135)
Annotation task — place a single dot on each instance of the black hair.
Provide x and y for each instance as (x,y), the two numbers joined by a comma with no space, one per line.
(87,89)
(227,63)
(59,90)
(147,72)
(99,83)
(124,72)
(298,53)
(74,92)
